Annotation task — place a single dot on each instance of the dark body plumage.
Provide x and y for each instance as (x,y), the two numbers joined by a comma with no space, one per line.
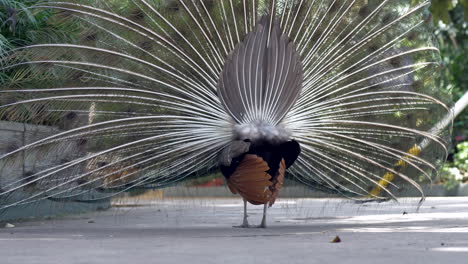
(258,174)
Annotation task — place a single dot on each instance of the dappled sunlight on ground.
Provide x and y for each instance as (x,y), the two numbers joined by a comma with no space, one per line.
(200,231)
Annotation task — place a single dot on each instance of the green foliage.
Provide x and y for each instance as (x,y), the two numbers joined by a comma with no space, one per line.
(450,177)
(452,34)
(450,18)
(441,9)
(461,157)
(464,3)
(457,171)
(22,25)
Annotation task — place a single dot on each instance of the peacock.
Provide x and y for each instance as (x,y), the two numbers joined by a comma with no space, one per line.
(337,95)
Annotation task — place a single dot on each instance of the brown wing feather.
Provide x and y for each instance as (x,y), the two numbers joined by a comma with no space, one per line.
(251,180)
(278,183)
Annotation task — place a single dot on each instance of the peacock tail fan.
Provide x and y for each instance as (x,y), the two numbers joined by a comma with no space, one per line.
(149,92)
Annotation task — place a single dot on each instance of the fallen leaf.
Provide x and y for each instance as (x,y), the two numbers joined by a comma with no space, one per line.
(337,239)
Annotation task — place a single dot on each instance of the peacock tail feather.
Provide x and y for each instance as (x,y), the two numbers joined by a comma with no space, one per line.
(152,91)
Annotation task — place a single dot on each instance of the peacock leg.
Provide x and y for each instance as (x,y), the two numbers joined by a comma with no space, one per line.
(263,224)
(245,223)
